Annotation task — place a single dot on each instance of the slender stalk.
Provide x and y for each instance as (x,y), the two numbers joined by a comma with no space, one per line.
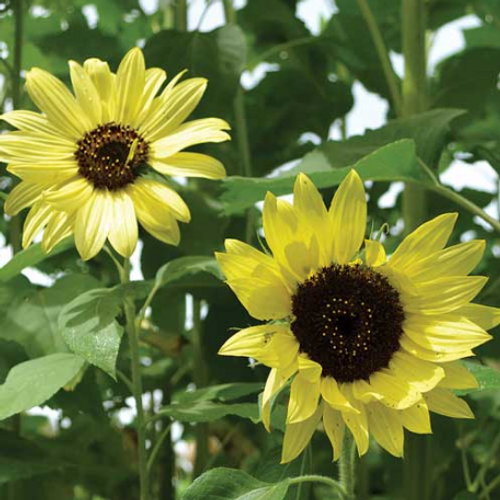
(200,376)
(347,460)
(181,15)
(229,11)
(312,478)
(157,447)
(132,328)
(378,41)
(18,11)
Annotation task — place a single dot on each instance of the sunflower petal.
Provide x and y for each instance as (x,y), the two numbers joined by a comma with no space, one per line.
(429,355)
(457,376)
(348,218)
(86,94)
(386,428)
(374,253)
(335,427)
(486,317)
(275,382)
(123,233)
(92,224)
(104,83)
(356,422)
(190,165)
(416,418)
(38,217)
(59,227)
(25,194)
(69,195)
(297,436)
(445,403)
(29,121)
(333,395)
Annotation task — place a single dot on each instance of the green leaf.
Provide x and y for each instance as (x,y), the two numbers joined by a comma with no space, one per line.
(223,392)
(397,161)
(31,257)
(185,267)
(488,378)
(207,411)
(28,316)
(33,382)
(89,327)
(230,484)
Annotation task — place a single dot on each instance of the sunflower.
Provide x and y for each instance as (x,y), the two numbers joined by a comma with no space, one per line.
(369,343)
(84,160)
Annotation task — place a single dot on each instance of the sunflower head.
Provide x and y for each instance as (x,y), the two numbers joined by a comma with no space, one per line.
(366,342)
(85,161)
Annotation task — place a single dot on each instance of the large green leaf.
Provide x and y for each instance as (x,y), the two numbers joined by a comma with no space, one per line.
(32,256)
(230,484)
(207,411)
(397,161)
(89,327)
(28,315)
(184,268)
(33,382)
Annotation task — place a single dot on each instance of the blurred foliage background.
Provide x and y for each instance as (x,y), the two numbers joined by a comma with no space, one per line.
(83,445)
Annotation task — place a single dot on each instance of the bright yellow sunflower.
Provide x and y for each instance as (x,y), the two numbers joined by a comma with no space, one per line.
(84,160)
(370,343)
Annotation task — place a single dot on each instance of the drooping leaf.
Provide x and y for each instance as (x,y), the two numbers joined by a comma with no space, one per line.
(185,267)
(488,378)
(230,484)
(33,382)
(89,327)
(223,392)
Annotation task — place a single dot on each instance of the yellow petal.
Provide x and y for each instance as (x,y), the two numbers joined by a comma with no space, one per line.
(123,233)
(59,227)
(190,165)
(444,295)
(23,195)
(457,376)
(160,194)
(386,428)
(416,418)
(386,387)
(275,382)
(431,355)
(29,121)
(445,403)
(298,435)
(374,253)
(53,98)
(190,134)
(426,239)
(92,224)
(304,398)
(104,82)
(86,94)
(348,218)
(335,427)
(130,81)
(45,173)
(264,300)
(156,219)
(420,374)
(38,217)
(444,333)
(333,395)
(69,195)
(182,101)
(155,77)
(485,316)
(356,422)
(458,260)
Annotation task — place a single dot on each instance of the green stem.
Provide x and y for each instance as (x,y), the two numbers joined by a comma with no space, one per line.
(312,478)
(157,447)
(489,488)
(378,41)
(347,460)
(18,11)
(200,377)
(181,15)
(229,12)
(132,328)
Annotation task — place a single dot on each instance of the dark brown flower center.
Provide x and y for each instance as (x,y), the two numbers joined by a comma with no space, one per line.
(111,156)
(349,320)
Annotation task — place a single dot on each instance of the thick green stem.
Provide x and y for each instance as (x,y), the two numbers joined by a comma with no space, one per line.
(347,468)
(378,41)
(200,377)
(417,465)
(132,328)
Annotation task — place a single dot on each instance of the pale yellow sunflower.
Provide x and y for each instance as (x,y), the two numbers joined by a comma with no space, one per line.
(368,342)
(84,160)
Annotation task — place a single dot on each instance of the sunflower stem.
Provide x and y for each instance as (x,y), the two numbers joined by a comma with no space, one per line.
(200,376)
(378,41)
(347,468)
(132,328)
(181,14)
(312,478)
